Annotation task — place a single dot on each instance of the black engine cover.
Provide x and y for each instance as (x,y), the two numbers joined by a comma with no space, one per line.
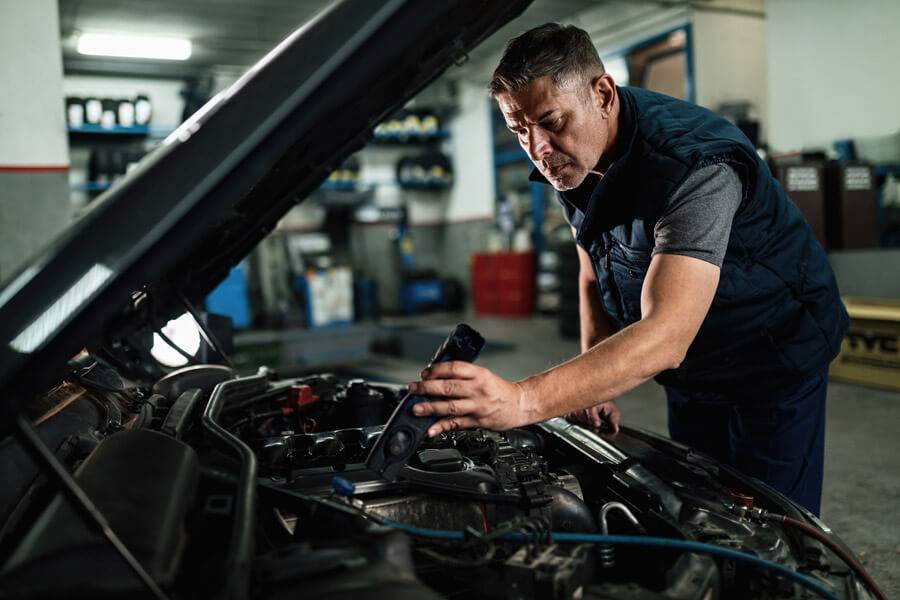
(144,483)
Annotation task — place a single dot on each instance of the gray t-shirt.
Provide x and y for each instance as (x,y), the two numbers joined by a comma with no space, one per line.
(697,221)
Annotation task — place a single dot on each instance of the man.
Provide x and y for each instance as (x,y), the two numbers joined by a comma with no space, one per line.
(696,269)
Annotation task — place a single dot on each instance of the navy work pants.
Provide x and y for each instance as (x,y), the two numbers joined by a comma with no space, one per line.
(778,438)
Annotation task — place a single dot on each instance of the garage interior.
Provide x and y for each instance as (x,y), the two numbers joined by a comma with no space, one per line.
(435,222)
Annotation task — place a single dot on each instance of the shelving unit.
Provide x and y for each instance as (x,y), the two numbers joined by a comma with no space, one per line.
(343,197)
(411,139)
(508,156)
(343,186)
(88,129)
(89,137)
(426,186)
(92,186)
(94,136)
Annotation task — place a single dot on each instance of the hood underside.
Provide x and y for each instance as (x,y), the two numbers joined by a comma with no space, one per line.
(219,184)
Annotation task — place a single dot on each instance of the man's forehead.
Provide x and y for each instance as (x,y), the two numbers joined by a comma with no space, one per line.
(531,102)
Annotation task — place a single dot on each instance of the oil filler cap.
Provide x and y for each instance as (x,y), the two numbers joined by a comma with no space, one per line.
(742,499)
(442,460)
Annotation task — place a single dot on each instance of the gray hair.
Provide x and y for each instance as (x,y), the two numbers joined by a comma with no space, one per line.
(565,53)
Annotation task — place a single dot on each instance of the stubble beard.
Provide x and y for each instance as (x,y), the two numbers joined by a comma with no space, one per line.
(567,179)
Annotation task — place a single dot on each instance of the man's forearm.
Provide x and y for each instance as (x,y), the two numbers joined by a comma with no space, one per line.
(595,325)
(612,367)
(677,293)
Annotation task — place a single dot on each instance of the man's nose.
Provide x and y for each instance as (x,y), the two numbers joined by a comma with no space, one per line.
(538,145)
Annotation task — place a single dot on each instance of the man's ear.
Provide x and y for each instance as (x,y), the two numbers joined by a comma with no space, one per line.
(604,93)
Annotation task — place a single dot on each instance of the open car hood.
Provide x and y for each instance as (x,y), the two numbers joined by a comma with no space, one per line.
(199,203)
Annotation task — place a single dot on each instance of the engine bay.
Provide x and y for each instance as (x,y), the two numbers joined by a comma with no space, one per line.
(256,487)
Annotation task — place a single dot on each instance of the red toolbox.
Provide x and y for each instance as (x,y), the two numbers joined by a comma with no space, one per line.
(503,283)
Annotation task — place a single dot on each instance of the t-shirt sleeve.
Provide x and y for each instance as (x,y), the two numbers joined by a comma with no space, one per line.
(697,220)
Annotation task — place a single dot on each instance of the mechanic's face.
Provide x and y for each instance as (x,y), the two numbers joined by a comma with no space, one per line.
(564,131)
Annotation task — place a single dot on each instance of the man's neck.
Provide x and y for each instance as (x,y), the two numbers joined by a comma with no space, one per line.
(610,151)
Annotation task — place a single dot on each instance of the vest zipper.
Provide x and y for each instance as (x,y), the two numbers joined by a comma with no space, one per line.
(604,253)
(609,247)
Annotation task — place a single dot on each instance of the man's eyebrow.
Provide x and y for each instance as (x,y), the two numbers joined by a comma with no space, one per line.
(544,116)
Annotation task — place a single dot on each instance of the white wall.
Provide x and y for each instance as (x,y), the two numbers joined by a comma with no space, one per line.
(730,60)
(32,114)
(472,196)
(832,70)
(34,199)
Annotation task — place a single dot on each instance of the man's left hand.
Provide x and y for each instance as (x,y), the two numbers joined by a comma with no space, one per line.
(475,396)
(596,416)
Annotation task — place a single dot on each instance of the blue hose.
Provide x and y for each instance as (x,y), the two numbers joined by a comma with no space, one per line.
(628,540)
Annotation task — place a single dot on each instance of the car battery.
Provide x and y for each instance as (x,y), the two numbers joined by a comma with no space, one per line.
(850,206)
(805,184)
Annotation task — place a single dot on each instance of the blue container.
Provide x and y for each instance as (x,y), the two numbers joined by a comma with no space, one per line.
(230,298)
(421,294)
(365,299)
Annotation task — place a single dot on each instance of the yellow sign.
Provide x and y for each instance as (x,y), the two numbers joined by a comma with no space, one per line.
(870,353)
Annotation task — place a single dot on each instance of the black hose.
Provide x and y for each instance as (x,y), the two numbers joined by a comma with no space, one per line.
(241,548)
(834,547)
(210,336)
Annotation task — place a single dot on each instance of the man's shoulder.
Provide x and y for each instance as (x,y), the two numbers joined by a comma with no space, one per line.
(682,131)
(649,104)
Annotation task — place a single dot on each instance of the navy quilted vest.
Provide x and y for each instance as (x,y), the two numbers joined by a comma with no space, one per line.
(777,317)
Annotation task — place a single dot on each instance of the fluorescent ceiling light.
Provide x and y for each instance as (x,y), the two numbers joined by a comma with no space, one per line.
(134,46)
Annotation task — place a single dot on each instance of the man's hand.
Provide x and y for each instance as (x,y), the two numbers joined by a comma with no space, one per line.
(475,398)
(595,416)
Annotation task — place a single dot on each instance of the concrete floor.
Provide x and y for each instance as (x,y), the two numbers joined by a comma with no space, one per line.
(861,497)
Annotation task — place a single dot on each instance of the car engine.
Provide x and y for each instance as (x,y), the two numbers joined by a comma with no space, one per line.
(256,487)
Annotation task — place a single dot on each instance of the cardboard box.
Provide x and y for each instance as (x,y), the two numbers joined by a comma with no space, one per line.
(327,296)
(870,353)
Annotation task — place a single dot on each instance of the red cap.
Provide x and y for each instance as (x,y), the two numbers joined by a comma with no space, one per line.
(300,395)
(742,499)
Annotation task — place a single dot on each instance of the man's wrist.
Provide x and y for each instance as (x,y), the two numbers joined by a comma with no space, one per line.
(529,409)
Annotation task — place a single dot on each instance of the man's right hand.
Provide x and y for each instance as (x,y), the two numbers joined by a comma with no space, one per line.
(595,416)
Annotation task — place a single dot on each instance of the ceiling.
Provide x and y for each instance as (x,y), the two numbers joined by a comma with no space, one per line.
(230,35)
(225,33)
